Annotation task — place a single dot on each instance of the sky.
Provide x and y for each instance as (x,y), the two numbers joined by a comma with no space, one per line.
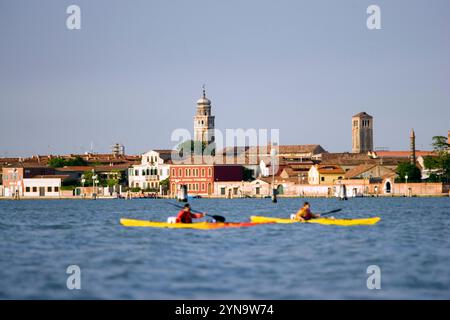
(133,72)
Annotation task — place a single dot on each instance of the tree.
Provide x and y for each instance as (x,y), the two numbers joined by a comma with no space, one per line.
(60,162)
(410,170)
(194,147)
(56,162)
(248,174)
(440,144)
(440,163)
(165,184)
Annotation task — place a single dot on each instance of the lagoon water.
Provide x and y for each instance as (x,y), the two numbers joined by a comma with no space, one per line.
(40,239)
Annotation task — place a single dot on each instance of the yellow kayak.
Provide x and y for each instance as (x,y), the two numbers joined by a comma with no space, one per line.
(194,225)
(328,221)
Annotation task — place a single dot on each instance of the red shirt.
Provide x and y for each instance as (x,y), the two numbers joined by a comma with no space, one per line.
(186,216)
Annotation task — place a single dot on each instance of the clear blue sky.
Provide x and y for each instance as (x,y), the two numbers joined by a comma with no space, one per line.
(133,72)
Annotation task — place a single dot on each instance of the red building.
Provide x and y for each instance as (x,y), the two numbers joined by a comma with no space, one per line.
(200,178)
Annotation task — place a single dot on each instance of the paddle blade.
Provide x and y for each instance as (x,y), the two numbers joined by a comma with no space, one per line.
(218,218)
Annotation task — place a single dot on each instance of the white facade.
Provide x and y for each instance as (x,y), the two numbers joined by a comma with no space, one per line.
(41,187)
(149,173)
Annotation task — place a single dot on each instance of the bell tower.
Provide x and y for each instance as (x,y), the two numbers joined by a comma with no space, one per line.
(362,133)
(203,120)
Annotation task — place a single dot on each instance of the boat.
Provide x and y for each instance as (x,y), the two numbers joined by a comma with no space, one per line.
(326,221)
(194,225)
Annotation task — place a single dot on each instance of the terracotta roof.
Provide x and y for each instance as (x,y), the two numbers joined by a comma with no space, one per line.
(54,176)
(25,165)
(401,154)
(330,169)
(96,168)
(301,148)
(358,170)
(282,149)
(75,168)
(163,150)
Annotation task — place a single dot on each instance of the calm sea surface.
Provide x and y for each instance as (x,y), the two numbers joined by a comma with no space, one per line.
(39,239)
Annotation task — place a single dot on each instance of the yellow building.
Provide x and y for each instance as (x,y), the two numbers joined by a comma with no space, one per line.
(325,174)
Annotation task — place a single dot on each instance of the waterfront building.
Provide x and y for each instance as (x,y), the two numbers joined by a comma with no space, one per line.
(14,174)
(362,133)
(204,120)
(368,171)
(257,188)
(200,178)
(154,168)
(323,174)
(43,186)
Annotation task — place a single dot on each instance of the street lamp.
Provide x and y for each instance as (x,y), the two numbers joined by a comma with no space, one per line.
(406,179)
(273,153)
(94,180)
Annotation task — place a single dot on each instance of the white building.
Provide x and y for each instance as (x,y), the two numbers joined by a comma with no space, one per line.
(42,186)
(153,169)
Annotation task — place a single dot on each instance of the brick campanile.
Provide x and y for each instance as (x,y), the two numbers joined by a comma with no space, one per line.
(362,133)
(412,139)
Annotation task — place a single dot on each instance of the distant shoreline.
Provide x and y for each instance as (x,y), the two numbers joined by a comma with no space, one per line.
(213,198)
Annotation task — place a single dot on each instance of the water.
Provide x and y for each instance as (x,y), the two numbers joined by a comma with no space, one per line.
(39,239)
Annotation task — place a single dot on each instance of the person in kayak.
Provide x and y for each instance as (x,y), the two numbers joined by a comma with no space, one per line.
(185,215)
(305,213)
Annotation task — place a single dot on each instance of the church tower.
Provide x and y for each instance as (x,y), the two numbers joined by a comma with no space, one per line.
(203,120)
(362,133)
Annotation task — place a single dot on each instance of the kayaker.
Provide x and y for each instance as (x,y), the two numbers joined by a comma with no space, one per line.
(305,213)
(185,215)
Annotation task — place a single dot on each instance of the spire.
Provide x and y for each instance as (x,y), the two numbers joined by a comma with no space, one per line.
(204,90)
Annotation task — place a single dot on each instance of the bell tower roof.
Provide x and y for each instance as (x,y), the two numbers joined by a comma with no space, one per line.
(204,100)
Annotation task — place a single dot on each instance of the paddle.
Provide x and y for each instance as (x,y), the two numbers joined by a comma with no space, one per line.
(332,211)
(215,217)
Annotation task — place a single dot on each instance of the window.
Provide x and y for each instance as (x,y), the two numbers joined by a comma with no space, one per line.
(203,186)
(49,189)
(180,172)
(174,172)
(27,189)
(355,123)
(56,189)
(222,191)
(322,178)
(34,189)
(136,172)
(209,172)
(203,172)
(258,190)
